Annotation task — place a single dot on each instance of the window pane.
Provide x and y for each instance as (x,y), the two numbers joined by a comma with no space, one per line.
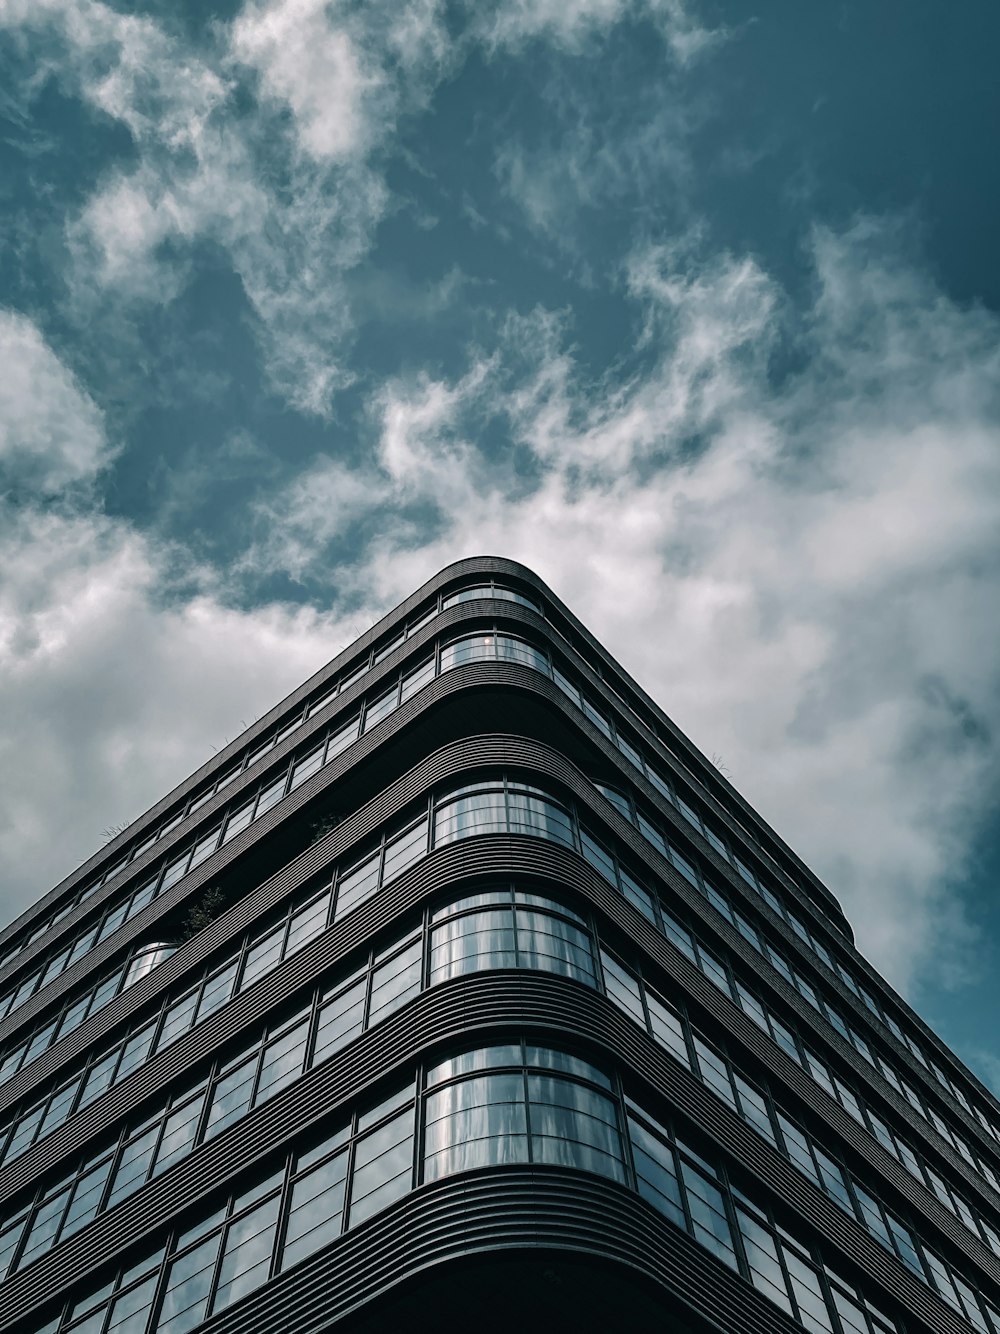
(556,946)
(86,1198)
(340,740)
(416,679)
(306,767)
(762,1257)
(381,707)
(134,1164)
(573,1126)
(188,1284)
(516,650)
(622,988)
(656,1173)
(471,648)
(708,1214)
(316,1211)
(358,884)
(540,817)
(178,1019)
(246,1258)
(238,821)
(403,850)
(478,813)
(263,955)
(218,989)
(307,923)
(129,1312)
(340,1020)
(667,1028)
(383,1167)
(270,796)
(476,1123)
(283,1061)
(395,981)
(232,1094)
(179,1133)
(477,940)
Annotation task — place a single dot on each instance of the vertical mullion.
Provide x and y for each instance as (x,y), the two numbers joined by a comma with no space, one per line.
(284,1205)
(369,978)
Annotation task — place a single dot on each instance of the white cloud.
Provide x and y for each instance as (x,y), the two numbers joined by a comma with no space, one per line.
(802,571)
(293,202)
(314,66)
(346,73)
(51,433)
(110,692)
(571,24)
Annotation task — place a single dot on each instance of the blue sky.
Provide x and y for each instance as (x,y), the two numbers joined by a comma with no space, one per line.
(692,307)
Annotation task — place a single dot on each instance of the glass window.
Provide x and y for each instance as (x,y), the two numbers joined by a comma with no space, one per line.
(479,1122)
(232,1094)
(482,812)
(510,649)
(467,595)
(307,922)
(599,858)
(179,1132)
(270,796)
(359,883)
(667,1028)
(622,988)
(656,1172)
(714,1071)
(189,1282)
(473,941)
(808,1294)
(341,739)
(246,1255)
(709,1221)
(283,1061)
(540,816)
(416,679)
(340,1020)
(546,942)
(175,870)
(316,1209)
(395,981)
(404,849)
(472,648)
(383,1167)
(573,1126)
(305,767)
(263,955)
(202,850)
(493,1118)
(134,1163)
(761,1250)
(381,707)
(238,821)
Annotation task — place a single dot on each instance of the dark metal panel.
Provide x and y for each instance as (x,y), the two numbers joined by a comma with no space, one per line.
(467,1010)
(500,855)
(103,954)
(514,1211)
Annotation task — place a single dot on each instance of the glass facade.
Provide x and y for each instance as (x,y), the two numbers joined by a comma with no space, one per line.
(575,985)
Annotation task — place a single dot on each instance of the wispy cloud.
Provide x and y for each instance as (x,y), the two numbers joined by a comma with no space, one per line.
(781,509)
(51,433)
(572,24)
(799,563)
(111,689)
(264,143)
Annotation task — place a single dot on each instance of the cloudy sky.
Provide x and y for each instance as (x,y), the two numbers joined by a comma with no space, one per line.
(692,307)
